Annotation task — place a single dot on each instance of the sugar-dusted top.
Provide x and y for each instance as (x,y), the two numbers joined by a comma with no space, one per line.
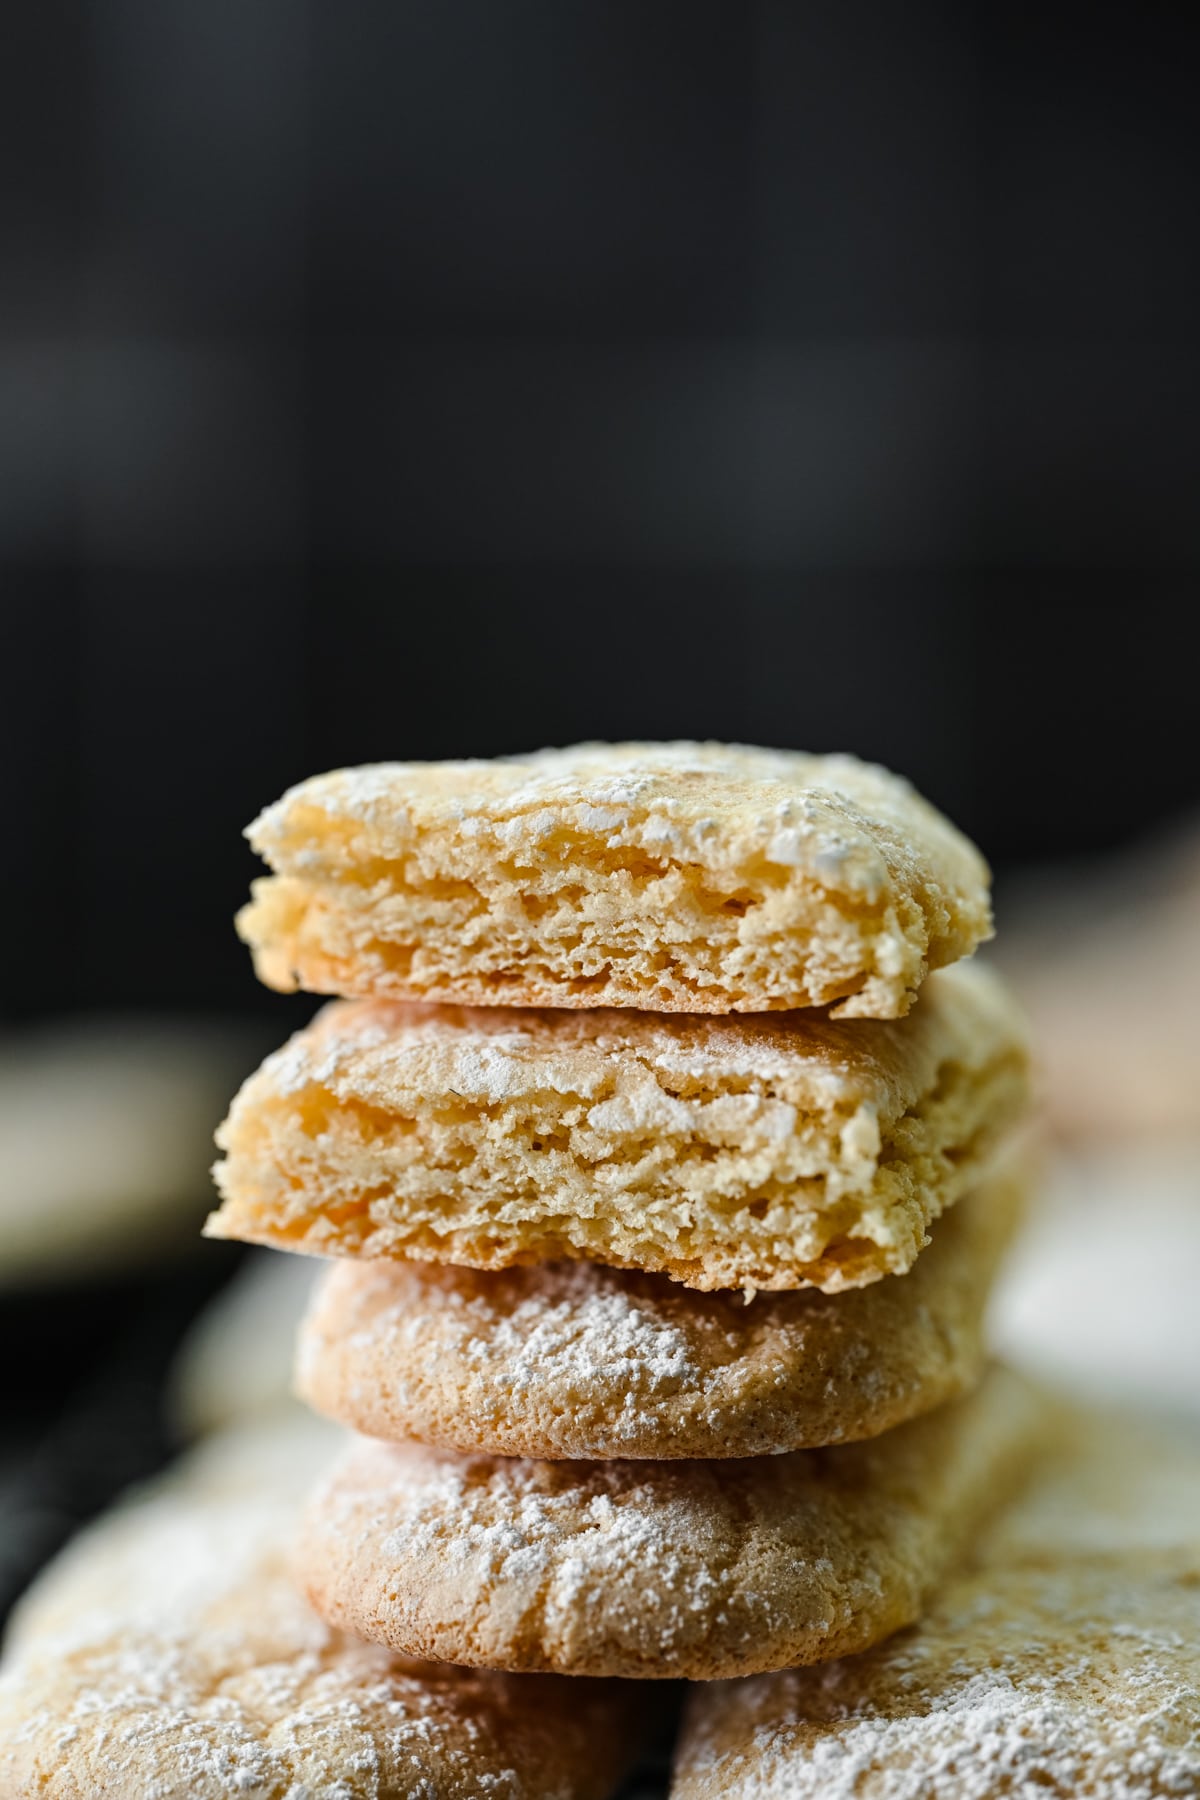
(642,1067)
(842,821)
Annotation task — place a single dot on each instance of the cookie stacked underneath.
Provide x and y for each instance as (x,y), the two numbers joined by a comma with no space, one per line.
(662,1181)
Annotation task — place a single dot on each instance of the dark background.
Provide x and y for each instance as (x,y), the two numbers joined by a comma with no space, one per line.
(392,380)
(384,379)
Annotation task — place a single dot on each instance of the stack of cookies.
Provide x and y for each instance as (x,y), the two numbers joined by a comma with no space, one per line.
(664,1183)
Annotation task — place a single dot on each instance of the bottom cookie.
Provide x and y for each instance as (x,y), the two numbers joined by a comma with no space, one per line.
(698,1569)
(1065,1663)
(169,1654)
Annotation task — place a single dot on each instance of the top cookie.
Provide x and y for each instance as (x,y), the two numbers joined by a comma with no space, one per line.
(704,878)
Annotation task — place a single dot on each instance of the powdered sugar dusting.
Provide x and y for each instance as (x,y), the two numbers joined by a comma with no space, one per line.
(171,1656)
(628,1567)
(605,1344)
(1041,1715)
(596,1346)
(537,1538)
(1062,1664)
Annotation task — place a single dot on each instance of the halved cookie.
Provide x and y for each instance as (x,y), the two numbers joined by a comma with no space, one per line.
(679,877)
(696,1569)
(772,1152)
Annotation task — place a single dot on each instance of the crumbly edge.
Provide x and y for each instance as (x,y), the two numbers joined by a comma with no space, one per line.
(431,1359)
(315,1181)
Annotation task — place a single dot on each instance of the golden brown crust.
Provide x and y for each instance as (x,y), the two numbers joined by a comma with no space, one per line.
(676,877)
(772,1152)
(1065,1663)
(171,1655)
(695,1569)
(576,1360)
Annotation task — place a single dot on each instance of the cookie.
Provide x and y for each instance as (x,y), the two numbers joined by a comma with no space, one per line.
(169,1654)
(678,877)
(698,1569)
(771,1152)
(576,1360)
(1066,1663)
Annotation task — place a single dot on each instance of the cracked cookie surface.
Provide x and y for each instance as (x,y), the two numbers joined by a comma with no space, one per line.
(169,1653)
(1064,1661)
(661,1570)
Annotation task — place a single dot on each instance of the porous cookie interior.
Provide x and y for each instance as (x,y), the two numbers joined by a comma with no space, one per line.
(764,1153)
(687,877)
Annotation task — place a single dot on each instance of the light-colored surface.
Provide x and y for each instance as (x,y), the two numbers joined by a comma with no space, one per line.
(105,1127)
(168,1656)
(1102,1292)
(697,1569)
(770,1152)
(678,877)
(1107,958)
(572,1359)
(1066,1663)
(236,1359)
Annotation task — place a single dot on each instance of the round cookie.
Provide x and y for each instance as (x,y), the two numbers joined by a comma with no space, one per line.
(644,1569)
(678,877)
(576,1360)
(773,1152)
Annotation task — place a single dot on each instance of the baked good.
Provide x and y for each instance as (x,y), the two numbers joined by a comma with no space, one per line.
(678,877)
(168,1654)
(697,1569)
(769,1152)
(1066,1662)
(578,1360)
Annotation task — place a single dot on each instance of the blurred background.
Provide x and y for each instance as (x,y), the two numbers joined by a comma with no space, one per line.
(389,381)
